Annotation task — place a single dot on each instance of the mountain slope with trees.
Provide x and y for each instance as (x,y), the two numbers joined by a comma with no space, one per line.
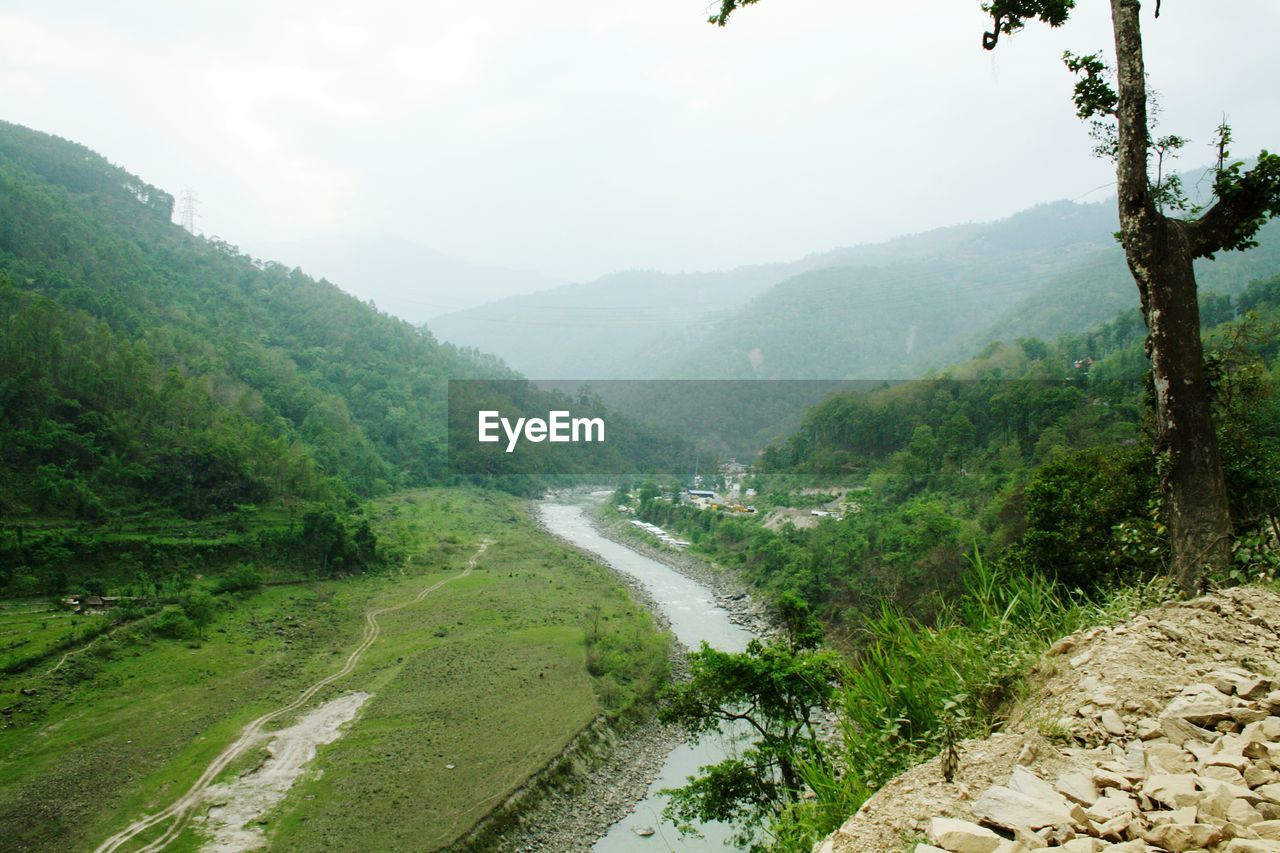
(888,310)
(134,348)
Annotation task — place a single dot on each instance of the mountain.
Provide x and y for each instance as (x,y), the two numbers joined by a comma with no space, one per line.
(1100,286)
(617,326)
(143,367)
(890,310)
(884,309)
(401,277)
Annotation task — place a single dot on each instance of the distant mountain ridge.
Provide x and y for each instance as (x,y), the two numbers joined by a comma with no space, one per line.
(889,310)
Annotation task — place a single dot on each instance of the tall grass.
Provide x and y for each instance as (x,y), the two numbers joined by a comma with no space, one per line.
(915,687)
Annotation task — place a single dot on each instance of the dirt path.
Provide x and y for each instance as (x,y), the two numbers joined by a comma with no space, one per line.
(57,666)
(180,810)
(237,804)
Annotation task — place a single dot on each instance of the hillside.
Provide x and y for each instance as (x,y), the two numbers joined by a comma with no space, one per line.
(137,355)
(619,326)
(889,310)
(1157,730)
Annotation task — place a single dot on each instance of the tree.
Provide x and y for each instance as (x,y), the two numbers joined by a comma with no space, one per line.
(200,607)
(1160,248)
(771,693)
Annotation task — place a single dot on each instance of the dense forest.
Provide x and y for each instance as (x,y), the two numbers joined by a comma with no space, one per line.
(151,378)
(1035,451)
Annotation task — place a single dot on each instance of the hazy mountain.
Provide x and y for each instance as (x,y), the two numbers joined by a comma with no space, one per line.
(1099,286)
(878,309)
(889,310)
(403,278)
(618,326)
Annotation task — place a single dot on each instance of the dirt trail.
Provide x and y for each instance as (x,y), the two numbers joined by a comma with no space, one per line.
(180,810)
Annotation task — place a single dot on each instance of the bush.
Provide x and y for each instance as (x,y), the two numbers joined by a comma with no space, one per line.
(242,578)
(173,625)
(1075,504)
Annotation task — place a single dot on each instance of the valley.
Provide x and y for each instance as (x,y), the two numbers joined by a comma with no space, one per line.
(477,680)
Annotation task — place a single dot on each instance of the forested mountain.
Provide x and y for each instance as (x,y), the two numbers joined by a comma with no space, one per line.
(401,277)
(619,326)
(889,310)
(1036,451)
(143,366)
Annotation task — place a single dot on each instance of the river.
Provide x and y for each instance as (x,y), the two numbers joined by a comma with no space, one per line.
(694,617)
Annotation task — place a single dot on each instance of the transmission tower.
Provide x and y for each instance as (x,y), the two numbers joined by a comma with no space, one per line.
(187,214)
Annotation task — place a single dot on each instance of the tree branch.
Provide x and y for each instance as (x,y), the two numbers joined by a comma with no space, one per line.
(1243,206)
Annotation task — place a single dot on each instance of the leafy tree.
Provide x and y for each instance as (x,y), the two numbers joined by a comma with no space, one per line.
(1075,504)
(770,694)
(200,607)
(325,539)
(174,625)
(242,578)
(1160,248)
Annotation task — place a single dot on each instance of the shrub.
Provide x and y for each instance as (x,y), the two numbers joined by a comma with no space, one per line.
(174,625)
(242,578)
(1075,504)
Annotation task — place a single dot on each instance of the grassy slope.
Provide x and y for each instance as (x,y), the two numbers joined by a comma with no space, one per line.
(502,691)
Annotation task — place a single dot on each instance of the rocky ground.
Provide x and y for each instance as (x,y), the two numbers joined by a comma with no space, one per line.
(1160,734)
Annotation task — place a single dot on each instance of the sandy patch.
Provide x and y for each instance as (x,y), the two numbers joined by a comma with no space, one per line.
(230,823)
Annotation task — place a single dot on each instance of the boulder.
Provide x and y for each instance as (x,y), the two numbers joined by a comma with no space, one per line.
(1172,791)
(1180,731)
(1002,806)
(1177,837)
(1252,845)
(1078,787)
(961,836)
(1026,782)
(1113,723)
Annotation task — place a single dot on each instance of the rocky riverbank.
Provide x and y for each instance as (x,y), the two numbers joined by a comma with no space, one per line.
(731,593)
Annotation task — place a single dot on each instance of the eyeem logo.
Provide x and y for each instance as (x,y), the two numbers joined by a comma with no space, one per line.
(558,427)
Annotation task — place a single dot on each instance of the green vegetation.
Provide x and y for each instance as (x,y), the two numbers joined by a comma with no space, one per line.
(1032,455)
(174,407)
(913,690)
(493,674)
(772,694)
(1018,451)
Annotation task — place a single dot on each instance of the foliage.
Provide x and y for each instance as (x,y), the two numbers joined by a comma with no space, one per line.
(767,697)
(1074,506)
(175,625)
(915,690)
(242,578)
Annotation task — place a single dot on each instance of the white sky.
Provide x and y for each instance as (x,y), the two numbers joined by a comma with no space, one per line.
(578,138)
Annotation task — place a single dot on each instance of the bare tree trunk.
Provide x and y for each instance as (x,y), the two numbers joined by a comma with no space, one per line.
(1160,257)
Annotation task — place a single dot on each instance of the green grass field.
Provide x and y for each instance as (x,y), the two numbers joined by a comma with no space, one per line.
(31,628)
(493,673)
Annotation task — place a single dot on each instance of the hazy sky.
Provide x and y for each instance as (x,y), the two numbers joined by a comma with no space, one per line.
(577,138)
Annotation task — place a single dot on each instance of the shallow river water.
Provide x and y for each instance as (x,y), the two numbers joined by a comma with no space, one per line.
(694,616)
